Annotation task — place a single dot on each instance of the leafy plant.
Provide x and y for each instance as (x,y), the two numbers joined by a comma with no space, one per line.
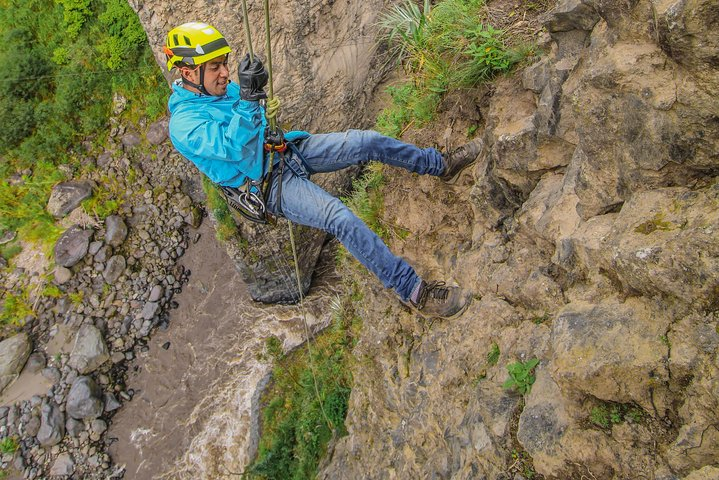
(8,445)
(366,200)
(520,376)
(493,354)
(607,414)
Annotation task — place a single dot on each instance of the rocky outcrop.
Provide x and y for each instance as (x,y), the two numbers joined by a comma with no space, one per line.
(590,245)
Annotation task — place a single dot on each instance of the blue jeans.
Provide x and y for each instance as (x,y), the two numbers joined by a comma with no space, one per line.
(305,203)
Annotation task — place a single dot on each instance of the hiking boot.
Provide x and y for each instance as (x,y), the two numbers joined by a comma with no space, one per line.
(461,158)
(435,299)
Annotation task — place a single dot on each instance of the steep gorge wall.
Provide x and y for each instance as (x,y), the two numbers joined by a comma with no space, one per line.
(587,232)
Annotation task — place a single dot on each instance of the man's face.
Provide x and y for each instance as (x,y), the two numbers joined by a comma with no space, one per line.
(216,75)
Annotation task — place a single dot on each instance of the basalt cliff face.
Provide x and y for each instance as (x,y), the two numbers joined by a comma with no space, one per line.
(587,232)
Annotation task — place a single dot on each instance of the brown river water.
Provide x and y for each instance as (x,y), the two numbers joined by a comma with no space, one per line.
(195,409)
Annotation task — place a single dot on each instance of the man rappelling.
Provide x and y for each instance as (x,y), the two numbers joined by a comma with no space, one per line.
(222,128)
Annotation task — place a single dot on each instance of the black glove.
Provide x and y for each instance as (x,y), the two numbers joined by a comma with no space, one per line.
(253,78)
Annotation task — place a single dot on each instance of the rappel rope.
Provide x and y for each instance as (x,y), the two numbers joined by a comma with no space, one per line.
(272,119)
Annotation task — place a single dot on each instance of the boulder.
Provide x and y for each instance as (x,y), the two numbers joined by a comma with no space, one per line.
(572,15)
(84,399)
(14,352)
(157,132)
(67,196)
(52,425)
(114,269)
(72,246)
(115,230)
(89,351)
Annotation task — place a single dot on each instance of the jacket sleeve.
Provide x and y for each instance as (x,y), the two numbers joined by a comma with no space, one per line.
(238,140)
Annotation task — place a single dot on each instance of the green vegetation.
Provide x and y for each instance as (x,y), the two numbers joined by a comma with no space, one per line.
(442,48)
(522,464)
(300,416)
(493,355)
(8,445)
(367,201)
(226,226)
(65,61)
(16,307)
(607,414)
(520,376)
(656,223)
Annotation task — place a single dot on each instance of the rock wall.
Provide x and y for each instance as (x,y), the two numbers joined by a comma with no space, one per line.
(587,233)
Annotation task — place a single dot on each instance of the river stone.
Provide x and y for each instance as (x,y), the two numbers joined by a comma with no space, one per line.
(74,427)
(62,275)
(130,140)
(157,132)
(156,293)
(111,403)
(115,230)
(64,465)
(14,352)
(114,268)
(33,425)
(67,196)
(89,351)
(72,246)
(149,310)
(52,425)
(84,400)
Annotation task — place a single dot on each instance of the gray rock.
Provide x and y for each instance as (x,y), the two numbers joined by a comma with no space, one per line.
(84,400)
(52,425)
(64,466)
(111,403)
(72,246)
(52,374)
(62,275)
(115,230)
(104,159)
(157,132)
(98,426)
(74,427)
(103,254)
(35,362)
(156,293)
(94,247)
(89,351)
(14,352)
(33,426)
(572,15)
(67,196)
(114,268)
(149,310)
(131,140)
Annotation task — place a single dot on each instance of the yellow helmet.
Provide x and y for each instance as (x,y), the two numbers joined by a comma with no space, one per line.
(194,43)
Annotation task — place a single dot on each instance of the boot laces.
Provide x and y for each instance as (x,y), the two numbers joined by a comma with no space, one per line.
(435,290)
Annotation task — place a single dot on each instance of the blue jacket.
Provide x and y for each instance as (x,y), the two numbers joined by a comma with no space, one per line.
(222,136)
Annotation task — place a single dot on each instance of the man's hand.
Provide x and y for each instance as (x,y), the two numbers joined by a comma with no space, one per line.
(253,78)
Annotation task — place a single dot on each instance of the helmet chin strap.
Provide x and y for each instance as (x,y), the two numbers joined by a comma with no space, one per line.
(201,86)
